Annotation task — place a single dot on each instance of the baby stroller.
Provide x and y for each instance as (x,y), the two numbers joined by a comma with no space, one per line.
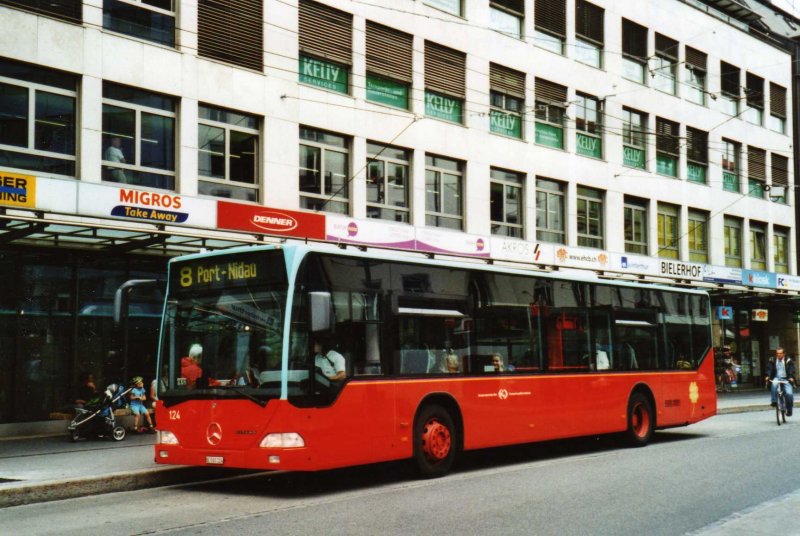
(96,418)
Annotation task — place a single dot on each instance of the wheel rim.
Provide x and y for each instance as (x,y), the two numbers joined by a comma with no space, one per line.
(119,433)
(436,440)
(640,420)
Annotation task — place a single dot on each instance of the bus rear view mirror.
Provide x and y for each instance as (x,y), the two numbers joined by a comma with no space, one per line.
(320,305)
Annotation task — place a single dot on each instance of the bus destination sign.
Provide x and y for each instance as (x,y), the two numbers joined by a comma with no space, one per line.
(222,272)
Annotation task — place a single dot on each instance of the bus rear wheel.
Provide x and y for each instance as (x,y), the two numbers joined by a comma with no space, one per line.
(435,442)
(641,421)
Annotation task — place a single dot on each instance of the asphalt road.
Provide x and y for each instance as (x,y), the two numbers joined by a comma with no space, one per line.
(688,481)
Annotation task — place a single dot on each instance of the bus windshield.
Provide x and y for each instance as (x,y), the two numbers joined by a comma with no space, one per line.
(224,332)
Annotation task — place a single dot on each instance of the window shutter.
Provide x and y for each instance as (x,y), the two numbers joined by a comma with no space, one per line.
(755,91)
(696,59)
(514,6)
(551,92)
(232,31)
(589,21)
(731,80)
(777,100)
(696,145)
(326,32)
(666,47)
(634,40)
(389,52)
(445,70)
(551,16)
(68,10)
(667,136)
(780,170)
(756,163)
(507,80)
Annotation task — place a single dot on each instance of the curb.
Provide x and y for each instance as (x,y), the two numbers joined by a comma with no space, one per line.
(743,409)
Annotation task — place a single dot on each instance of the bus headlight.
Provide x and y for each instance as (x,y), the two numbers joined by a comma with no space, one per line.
(165,437)
(287,440)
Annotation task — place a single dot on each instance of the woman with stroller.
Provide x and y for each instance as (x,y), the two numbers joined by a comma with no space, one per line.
(138,406)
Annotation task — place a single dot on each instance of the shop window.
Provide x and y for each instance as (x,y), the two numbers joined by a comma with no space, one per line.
(326,46)
(232,31)
(444,201)
(153,20)
(445,83)
(668,231)
(388,183)
(506,202)
(507,100)
(550,24)
(550,211)
(590,217)
(635,220)
(324,171)
(38,125)
(634,139)
(389,65)
(551,101)
(228,154)
(138,137)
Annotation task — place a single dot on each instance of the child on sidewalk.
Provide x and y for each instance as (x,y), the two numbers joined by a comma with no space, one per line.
(138,407)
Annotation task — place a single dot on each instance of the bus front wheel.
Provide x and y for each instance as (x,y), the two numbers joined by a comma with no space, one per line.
(435,442)
(641,421)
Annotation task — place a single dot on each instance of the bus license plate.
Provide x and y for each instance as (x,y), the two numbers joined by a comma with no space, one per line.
(215,460)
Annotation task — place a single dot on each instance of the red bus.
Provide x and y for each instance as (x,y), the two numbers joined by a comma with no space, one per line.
(311,357)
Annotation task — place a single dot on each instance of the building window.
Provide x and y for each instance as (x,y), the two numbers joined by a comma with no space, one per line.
(227,145)
(231,31)
(324,171)
(387,183)
(38,125)
(733,242)
(698,236)
(153,20)
(780,240)
(777,108)
(668,231)
(731,88)
(730,165)
(66,10)
(450,6)
(389,65)
(138,137)
(445,83)
(550,211)
(508,100)
(754,91)
(588,126)
(326,46)
(780,178)
(696,72)
(756,172)
(667,147)
(444,179)
(634,138)
(507,16)
(696,155)
(634,51)
(550,24)
(758,246)
(589,33)
(635,210)
(664,66)
(551,100)
(590,217)
(506,202)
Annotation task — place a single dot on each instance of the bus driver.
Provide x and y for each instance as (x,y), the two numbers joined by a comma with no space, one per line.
(329,361)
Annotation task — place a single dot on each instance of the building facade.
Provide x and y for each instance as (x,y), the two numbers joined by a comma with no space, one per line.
(644,140)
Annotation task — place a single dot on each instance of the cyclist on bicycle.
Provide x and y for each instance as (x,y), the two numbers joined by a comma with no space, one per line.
(782,368)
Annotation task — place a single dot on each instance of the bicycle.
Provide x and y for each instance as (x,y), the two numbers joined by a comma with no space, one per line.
(780,398)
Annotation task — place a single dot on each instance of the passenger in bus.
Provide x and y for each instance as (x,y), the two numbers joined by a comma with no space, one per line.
(190,366)
(451,363)
(603,362)
(329,361)
(497,363)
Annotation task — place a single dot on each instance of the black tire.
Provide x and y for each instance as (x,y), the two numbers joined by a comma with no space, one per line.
(118,433)
(435,442)
(779,408)
(74,436)
(641,421)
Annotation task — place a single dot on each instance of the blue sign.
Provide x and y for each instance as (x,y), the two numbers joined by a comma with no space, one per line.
(757,278)
(725,312)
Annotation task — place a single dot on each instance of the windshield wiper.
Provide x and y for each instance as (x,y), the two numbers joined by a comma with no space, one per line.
(248,396)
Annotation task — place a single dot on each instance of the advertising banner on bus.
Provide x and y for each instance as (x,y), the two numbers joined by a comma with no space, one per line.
(270,221)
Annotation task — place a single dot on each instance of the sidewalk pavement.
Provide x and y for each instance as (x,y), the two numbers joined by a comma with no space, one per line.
(47,468)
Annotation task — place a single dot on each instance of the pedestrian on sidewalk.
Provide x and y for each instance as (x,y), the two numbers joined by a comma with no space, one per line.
(138,406)
(782,368)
